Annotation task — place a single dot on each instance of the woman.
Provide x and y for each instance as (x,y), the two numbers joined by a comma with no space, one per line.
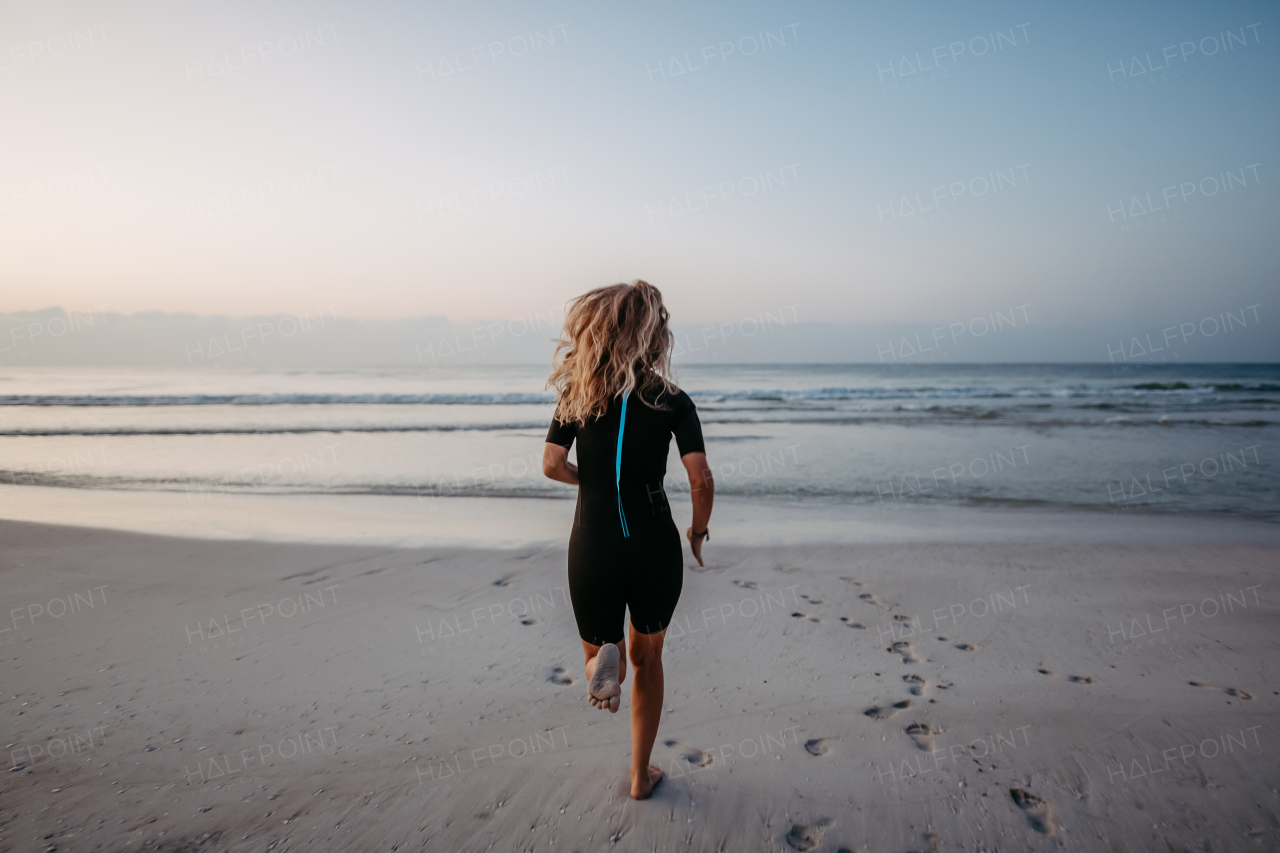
(611,374)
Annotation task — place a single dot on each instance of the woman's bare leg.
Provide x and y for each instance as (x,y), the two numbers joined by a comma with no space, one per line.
(590,652)
(646,708)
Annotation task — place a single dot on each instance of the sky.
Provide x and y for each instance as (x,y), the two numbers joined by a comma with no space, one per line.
(895,163)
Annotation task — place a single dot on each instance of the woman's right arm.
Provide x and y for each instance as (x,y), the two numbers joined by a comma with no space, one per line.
(556,464)
(703,490)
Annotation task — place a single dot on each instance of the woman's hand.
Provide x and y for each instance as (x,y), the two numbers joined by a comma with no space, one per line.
(695,545)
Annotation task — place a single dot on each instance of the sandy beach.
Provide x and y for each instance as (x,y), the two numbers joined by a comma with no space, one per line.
(1049,681)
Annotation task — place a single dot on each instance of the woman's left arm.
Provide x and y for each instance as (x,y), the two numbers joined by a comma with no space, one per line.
(556,464)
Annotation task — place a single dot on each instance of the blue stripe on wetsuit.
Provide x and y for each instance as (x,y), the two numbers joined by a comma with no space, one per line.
(622,425)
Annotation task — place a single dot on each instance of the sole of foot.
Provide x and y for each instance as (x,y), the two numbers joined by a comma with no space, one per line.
(604,691)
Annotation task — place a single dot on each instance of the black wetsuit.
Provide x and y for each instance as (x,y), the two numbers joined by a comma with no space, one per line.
(625,551)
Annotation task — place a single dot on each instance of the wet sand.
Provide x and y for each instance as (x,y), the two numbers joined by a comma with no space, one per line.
(1031,691)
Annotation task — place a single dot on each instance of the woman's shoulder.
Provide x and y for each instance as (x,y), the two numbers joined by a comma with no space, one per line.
(676,400)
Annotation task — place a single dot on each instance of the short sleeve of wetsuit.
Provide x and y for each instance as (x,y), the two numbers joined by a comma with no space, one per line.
(561,433)
(685,425)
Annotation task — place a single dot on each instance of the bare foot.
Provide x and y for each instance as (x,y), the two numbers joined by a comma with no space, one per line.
(604,691)
(642,788)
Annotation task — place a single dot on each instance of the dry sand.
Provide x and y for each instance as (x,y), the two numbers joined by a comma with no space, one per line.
(192,694)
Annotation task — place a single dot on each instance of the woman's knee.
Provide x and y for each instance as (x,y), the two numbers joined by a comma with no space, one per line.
(645,654)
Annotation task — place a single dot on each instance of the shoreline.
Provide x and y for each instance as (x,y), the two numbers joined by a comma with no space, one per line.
(501,522)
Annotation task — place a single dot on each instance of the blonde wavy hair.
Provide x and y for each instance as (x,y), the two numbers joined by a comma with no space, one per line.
(616,339)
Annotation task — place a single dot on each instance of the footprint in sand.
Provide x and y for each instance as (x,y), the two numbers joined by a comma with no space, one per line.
(786,570)
(504,580)
(1038,811)
(922,734)
(916,683)
(907,619)
(902,647)
(807,837)
(846,620)
(966,647)
(851,580)
(871,598)
(559,676)
(747,584)
(528,620)
(818,746)
(1074,679)
(885,713)
(691,754)
(812,600)
(1230,691)
(806,616)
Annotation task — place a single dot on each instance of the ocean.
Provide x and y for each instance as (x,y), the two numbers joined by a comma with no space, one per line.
(1117,438)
